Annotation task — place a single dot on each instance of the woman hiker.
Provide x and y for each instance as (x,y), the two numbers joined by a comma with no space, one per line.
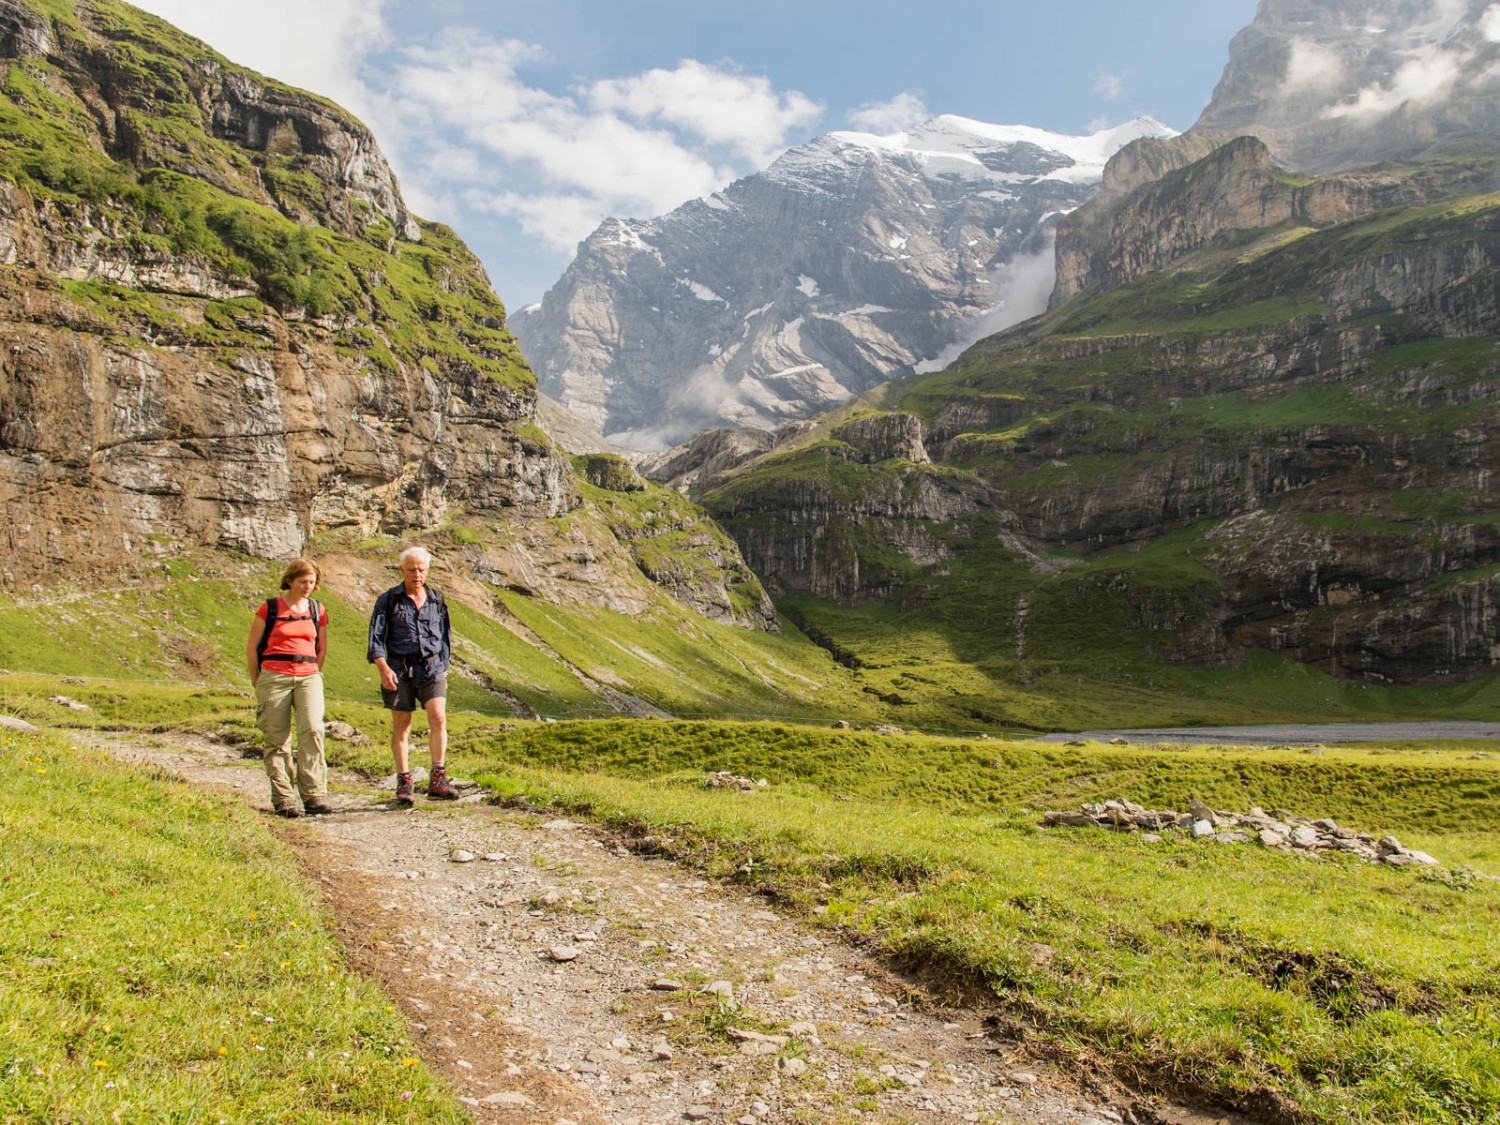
(288,641)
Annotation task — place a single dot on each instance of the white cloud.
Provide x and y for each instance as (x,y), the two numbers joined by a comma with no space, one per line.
(744,114)
(1110,85)
(1312,68)
(561,221)
(895,116)
(634,146)
(1427,78)
(1489,24)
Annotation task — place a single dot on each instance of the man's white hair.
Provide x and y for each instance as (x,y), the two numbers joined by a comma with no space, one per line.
(421,554)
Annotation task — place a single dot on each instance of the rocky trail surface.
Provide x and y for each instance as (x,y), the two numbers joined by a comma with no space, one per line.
(555,977)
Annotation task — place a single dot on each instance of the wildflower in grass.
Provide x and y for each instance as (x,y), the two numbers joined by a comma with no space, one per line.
(286,964)
(102,1065)
(408,1062)
(223,1050)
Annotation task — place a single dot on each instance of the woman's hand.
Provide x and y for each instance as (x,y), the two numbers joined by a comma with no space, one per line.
(252,657)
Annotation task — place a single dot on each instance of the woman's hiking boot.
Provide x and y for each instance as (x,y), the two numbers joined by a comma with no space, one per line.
(406,793)
(439,788)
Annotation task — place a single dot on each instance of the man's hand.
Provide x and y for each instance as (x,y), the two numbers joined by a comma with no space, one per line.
(387,676)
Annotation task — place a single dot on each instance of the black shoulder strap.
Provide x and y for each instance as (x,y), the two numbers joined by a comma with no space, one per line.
(384,604)
(317,613)
(273,606)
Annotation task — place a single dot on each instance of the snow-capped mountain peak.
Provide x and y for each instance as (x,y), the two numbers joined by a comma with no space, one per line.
(851,260)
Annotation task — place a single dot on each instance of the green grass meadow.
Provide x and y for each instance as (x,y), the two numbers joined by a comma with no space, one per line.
(161,959)
(1326,991)
(1338,991)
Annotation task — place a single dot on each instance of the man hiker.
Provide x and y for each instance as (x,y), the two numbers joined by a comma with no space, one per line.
(411,644)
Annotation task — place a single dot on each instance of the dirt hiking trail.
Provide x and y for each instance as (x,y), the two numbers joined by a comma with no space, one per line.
(554,977)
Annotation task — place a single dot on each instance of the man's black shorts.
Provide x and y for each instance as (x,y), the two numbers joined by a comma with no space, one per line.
(410,693)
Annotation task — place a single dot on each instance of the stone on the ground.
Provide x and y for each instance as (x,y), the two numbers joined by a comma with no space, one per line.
(506,1098)
(344,732)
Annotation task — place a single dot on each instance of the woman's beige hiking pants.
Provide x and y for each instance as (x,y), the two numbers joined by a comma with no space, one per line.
(277,695)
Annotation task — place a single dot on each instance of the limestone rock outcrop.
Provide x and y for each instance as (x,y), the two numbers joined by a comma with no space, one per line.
(699,463)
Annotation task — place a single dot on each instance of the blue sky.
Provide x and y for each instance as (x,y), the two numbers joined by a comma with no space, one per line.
(523,124)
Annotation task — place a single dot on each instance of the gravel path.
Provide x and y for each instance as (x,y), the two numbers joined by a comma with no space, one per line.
(555,977)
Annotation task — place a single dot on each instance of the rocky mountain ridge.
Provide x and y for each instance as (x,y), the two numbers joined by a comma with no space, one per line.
(851,260)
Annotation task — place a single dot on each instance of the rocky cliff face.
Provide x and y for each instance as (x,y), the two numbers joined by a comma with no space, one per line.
(1337,84)
(165,376)
(699,463)
(848,262)
(223,329)
(1223,197)
(1325,87)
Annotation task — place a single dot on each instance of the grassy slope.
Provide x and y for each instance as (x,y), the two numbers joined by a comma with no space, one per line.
(158,956)
(187,621)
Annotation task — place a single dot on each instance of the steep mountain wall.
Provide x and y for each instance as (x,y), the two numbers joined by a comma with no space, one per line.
(199,262)
(848,262)
(1235,190)
(1330,85)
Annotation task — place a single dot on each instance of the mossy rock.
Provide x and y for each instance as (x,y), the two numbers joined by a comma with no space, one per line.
(610,472)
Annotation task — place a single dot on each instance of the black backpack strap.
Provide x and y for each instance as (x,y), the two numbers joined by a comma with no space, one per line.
(273,606)
(317,613)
